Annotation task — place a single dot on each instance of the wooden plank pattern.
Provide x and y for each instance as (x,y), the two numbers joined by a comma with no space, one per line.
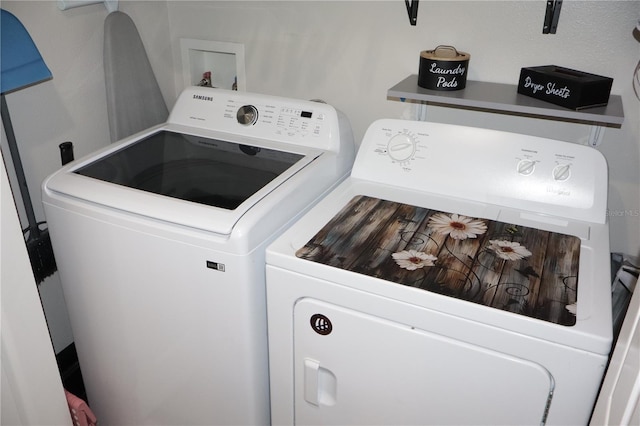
(513,268)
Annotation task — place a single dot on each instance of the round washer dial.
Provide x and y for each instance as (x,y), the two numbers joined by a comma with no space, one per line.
(247,115)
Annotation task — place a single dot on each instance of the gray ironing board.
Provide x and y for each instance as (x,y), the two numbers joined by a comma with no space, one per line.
(134,101)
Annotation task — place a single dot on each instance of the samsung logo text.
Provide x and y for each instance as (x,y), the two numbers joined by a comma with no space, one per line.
(203,98)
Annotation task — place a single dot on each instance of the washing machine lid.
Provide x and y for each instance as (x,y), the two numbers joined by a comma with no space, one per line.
(201,182)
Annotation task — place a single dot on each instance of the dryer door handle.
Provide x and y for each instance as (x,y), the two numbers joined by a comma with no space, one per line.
(319,384)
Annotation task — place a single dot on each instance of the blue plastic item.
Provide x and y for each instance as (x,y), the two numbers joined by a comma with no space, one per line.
(20,60)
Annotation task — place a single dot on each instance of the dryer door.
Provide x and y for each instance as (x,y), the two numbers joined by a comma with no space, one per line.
(354,368)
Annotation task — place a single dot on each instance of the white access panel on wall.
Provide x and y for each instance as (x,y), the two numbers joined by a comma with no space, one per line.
(346,374)
(224,60)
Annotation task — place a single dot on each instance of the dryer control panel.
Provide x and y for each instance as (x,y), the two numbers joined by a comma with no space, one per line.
(513,170)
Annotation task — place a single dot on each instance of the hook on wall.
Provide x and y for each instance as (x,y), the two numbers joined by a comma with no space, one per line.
(412,10)
(551,16)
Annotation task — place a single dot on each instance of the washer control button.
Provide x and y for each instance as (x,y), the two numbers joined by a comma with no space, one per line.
(247,115)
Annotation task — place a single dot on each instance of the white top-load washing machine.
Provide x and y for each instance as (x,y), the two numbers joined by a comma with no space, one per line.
(160,242)
(458,276)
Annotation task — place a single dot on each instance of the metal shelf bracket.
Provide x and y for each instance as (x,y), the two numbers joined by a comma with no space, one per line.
(551,16)
(595,136)
(412,10)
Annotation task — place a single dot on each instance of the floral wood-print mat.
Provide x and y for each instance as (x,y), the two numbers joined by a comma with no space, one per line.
(514,268)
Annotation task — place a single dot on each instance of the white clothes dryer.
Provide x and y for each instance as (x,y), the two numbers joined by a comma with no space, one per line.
(459,276)
(160,243)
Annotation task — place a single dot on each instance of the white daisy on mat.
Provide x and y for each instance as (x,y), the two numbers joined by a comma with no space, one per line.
(413,259)
(457,226)
(509,250)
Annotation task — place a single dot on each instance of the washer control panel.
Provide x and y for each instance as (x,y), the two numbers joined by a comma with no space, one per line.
(484,165)
(299,122)
(282,120)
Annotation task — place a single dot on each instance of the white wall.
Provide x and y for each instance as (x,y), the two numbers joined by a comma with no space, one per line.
(72,106)
(348,53)
(31,388)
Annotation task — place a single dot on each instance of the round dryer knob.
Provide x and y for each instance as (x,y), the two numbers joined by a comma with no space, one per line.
(562,172)
(526,167)
(247,115)
(401,147)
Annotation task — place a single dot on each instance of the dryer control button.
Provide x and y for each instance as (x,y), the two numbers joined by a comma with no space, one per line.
(401,147)
(247,115)
(561,172)
(526,167)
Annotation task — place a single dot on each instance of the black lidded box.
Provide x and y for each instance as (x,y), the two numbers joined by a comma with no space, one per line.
(565,87)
